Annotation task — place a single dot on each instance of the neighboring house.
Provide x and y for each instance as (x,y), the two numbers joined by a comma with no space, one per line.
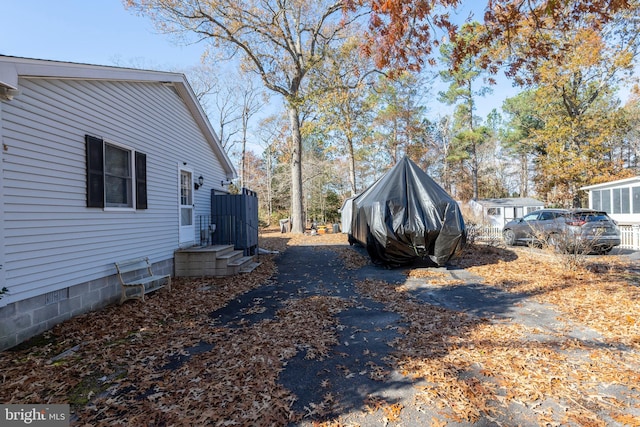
(620,199)
(497,212)
(97,164)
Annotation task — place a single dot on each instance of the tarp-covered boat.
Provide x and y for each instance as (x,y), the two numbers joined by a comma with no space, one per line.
(406,216)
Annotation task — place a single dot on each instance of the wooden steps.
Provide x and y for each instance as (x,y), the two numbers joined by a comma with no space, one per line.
(216,261)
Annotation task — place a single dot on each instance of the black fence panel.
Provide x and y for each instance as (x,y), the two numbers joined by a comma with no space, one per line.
(236,221)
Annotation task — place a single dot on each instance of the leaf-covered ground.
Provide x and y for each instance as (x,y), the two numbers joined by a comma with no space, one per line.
(168,361)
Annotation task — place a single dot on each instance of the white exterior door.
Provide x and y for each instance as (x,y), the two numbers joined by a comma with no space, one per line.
(185,203)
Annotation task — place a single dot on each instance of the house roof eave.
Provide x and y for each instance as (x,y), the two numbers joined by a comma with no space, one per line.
(518,201)
(186,93)
(13,67)
(612,183)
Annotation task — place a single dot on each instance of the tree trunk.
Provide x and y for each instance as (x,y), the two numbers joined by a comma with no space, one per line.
(352,168)
(269,188)
(524,175)
(297,220)
(243,166)
(474,171)
(474,144)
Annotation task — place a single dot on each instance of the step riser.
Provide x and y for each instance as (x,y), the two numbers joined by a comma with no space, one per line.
(215,261)
(228,259)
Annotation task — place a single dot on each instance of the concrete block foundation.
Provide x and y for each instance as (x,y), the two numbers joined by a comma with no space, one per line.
(25,319)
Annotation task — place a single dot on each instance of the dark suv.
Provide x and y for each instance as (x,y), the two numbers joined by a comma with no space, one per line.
(566,229)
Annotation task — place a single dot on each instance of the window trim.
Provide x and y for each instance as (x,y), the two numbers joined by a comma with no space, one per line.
(130,180)
(95,179)
(621,201)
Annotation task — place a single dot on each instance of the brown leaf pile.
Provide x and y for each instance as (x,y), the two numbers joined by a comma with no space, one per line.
(351,259)
(167,362)
(151,363)
(475,368)
(603,295)
(433,277)
(308,239)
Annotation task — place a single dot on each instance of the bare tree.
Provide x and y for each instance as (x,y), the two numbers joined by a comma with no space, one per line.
(226,112)
(272,134)
(250,101)
(280,40)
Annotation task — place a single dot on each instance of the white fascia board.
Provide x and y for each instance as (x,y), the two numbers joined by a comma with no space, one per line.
(66,70)
(8,76)
(612,183)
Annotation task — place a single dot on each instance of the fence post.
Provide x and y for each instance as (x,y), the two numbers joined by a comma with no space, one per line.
(635,236)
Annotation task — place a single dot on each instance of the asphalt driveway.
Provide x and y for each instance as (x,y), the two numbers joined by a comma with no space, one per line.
(357,383)
(364,333)
(318,336)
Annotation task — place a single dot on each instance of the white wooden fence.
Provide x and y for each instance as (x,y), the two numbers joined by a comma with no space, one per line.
(484,233)
(629,234)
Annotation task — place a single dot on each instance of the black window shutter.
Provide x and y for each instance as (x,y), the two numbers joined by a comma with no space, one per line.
(141,180)
(95,172)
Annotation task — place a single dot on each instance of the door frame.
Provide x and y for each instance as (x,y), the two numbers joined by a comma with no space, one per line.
(186,234)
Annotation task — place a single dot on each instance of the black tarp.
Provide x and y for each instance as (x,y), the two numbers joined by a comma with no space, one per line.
(406,216)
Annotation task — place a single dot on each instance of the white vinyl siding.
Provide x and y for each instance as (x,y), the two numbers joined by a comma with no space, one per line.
(51,239)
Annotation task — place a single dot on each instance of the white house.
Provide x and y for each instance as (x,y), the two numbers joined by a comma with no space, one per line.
(97,164)
(497,212)
(620,199)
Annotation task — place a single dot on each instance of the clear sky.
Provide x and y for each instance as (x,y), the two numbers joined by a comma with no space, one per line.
(99,32)
(103,32)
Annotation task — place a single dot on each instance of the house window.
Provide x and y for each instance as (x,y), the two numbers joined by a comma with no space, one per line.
(635,195)
(116,176)
(493,211)
(621,203)
(596,203)
(605,200)
(625,201)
